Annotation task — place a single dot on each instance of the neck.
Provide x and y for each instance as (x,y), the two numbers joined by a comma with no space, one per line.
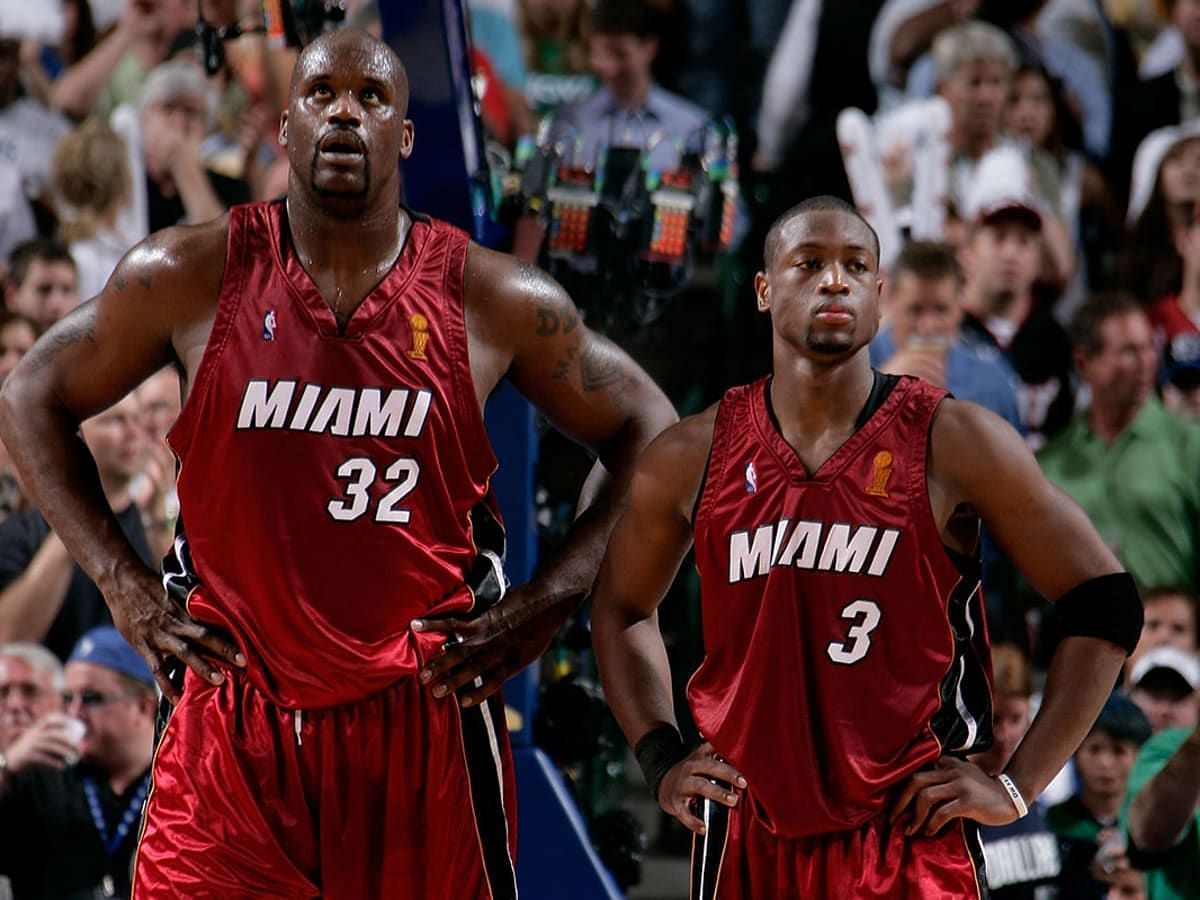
(125,774)
(1109,422)
(323,241)
(1105,807)
(985,304)
(1191,63)
(116,491)
(1189,294)
(970,145)
(813,397)
(636,96)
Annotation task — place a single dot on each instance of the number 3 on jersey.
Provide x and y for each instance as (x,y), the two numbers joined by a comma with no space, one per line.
(359,471)
(866,614)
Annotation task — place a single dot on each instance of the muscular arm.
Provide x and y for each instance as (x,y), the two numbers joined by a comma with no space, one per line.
(979,461)
(521,324)
(647,546)
(145,317)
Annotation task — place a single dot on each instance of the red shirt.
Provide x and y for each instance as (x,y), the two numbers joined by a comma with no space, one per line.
(845,647)
(328,480)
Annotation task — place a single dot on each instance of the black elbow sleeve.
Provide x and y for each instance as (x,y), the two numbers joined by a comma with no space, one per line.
(1106,607)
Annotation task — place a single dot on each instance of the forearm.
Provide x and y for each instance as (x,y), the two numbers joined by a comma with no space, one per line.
(29,605)
(58,471)
(200,201)
(1164,808)
(76,91)
(915,35)
(634,670)
(1082,675)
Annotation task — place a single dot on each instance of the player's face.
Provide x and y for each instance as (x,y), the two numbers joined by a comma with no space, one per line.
(923,311)
(1104,763)
(344,129)
(116,718)
(26,694)
(822,287)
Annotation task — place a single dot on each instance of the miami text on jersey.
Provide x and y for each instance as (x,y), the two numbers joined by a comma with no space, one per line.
(820,546)
(342,411)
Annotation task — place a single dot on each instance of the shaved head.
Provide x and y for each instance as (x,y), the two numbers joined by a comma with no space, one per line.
(351,46)
(825,203)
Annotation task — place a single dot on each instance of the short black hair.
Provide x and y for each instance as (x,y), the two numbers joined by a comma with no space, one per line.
(821,203)
(932,260)
(1089,319)
(636,17)
(1123,720)
(24,255)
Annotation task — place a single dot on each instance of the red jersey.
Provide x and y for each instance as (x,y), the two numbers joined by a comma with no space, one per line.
(328,479)
(845,648)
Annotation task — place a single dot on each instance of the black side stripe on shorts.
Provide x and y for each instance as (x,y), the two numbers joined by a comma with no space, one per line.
(482,753)
(974,842)
(708,849)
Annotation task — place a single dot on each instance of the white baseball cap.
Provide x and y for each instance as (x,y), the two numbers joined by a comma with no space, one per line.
(1185,665)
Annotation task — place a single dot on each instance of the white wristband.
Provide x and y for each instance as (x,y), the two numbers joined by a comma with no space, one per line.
(1014,795)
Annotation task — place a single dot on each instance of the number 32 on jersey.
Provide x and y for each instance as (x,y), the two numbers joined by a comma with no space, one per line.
(359,473)
(864,614)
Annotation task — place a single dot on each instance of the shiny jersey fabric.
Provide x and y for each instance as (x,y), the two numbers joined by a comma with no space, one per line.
(845,647)
(328,478)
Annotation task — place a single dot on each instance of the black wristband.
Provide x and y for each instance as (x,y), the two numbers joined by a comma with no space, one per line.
(657,752)
(1105,607)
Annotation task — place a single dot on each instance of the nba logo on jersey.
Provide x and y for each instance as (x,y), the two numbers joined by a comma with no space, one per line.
(751,478)
(269,325)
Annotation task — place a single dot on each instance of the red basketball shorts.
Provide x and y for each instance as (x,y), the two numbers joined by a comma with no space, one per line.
(740,859)
(399,795)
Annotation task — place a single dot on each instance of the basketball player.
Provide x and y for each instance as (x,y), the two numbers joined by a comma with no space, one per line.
(337,351)
(835,514)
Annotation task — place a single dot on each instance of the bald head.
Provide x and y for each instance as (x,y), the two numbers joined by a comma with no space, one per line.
(778,233)
(353,50)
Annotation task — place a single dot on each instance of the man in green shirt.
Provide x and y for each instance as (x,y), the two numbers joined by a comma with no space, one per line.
(1160,813)
(1131,465)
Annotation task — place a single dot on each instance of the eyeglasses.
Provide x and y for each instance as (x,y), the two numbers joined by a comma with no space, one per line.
(90,699)
(26,690)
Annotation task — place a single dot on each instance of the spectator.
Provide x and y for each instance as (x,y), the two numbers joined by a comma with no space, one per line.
(113,73)
(17,334)
(42,282)
(1180,378)
(91,181)
(1091,841)
(628,109)
(29,132)
(17,224)
(1162,205)
(153,489)
(44,595)
(1023,855)
(1001,257)
(1162,814)
(169,177)
(31,686)
(70,832)
(922,314)
(1131,465)
(1163,684)
(1170,621)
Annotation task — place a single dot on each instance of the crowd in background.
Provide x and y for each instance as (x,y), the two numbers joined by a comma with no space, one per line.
(1032,168)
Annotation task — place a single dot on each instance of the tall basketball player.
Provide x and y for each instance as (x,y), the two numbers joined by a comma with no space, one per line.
(334,735)
(835,514)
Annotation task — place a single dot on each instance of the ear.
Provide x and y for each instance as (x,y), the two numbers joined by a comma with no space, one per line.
(406,142)
(1081,360)
(283,129)
(762,290)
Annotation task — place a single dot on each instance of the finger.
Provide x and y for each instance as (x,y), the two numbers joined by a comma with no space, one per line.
(158,668)
(944,814)
(212,641)
(912,787)
(714,767)
(466,673)
(440,624)
(197,662)
(445,661)
(697,786)
(490,682)
(682,811)
(926,800)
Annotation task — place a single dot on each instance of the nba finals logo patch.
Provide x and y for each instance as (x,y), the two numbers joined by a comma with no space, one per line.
(751,478)
(882,474)
(269,325)
(419,326)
